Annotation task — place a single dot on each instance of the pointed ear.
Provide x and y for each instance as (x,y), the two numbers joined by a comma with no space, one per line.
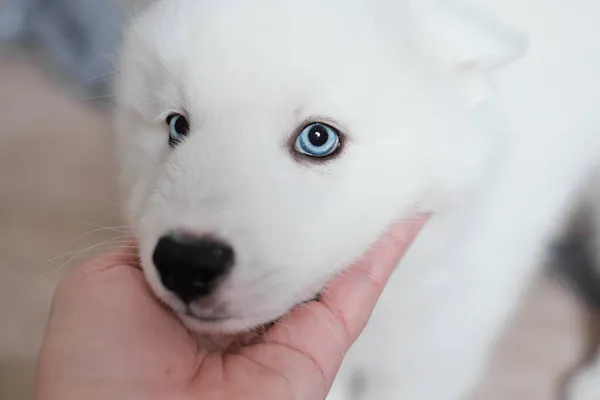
(465,40)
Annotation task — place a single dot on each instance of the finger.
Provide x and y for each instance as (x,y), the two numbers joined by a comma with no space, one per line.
(352,296)
(321,332)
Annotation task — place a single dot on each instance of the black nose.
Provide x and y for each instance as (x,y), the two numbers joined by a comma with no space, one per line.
(191,266)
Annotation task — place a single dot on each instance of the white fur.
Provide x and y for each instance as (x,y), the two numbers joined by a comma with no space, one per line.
(442,113)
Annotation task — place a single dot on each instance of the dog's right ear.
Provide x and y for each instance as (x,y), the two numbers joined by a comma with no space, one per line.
(461,38)
(465,42)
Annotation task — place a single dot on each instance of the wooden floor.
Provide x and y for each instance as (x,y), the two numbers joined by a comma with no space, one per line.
(56,183)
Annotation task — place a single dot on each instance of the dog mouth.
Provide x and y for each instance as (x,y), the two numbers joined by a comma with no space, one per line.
(210,319)
(215,323)
(217,318)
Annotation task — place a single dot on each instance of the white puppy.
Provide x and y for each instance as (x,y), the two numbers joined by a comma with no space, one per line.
(266,144)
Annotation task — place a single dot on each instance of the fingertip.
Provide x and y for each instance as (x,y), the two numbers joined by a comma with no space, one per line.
(354,293)
(383,256)
(404,232)
(324,329)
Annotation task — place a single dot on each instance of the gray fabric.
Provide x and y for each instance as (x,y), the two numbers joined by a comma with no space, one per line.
(80,36)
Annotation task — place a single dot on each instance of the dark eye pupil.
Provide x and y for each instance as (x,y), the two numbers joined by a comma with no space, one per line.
(318,135)
(182,126)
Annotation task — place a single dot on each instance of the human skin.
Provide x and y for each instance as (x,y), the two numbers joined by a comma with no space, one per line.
(109,338)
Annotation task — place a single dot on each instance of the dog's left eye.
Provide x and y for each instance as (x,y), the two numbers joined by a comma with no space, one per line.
(179,127)
(318,140)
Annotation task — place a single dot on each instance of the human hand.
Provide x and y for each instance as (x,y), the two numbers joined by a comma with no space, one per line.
(109,338)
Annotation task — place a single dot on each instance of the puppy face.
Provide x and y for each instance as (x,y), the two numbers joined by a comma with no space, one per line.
(265,146)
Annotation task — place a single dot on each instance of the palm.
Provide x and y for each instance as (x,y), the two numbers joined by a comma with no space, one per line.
(147,350)
(160,351)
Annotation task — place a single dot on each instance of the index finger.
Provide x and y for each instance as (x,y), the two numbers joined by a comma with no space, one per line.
(352,297)
(324,330)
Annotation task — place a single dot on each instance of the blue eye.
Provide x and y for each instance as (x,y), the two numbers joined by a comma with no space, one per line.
(179,128)
(318,140)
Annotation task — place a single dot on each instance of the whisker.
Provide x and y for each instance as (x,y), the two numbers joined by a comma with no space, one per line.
(116,240)
(117,227)
(96,230)
(99,246)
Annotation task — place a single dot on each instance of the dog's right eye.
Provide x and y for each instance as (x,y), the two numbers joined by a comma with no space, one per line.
(179,128)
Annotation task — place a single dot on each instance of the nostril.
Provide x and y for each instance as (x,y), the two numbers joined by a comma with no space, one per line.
(209,256)
(191,266)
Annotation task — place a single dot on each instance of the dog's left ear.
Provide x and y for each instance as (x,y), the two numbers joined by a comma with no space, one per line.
(464,41)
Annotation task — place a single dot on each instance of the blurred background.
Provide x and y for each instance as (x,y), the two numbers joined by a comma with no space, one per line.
(58,200)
